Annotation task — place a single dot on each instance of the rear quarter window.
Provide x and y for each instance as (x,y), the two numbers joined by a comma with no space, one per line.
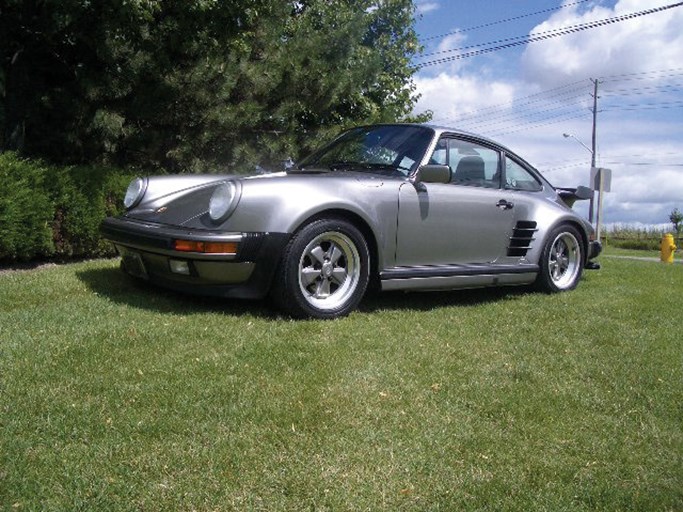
(520,178)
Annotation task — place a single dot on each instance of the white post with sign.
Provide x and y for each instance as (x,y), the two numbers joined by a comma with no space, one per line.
(601,180)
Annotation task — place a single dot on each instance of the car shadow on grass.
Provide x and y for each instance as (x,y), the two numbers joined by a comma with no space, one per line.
(120,288)
(428,301)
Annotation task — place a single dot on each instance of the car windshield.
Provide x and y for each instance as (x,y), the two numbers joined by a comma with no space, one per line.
(388,149)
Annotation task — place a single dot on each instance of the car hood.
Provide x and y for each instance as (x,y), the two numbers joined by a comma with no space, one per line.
(184,200)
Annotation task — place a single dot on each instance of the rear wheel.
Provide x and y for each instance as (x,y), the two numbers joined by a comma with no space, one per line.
(562,260)
(323,272)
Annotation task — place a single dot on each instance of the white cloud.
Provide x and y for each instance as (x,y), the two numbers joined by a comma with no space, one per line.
(425,7)
(451,41)
(650,42)
(452,96)
(440,51)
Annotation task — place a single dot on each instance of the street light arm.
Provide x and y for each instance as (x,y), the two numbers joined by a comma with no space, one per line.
(567,135)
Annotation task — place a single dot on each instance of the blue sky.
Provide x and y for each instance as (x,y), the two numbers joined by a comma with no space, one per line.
(527,96)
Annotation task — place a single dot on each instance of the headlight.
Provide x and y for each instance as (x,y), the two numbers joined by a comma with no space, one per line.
(224,200)
(135,191)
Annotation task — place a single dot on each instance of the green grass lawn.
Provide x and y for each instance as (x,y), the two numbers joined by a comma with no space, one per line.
(115,397)
(616,251)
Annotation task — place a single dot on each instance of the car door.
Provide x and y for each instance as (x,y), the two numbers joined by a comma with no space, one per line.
(465,222)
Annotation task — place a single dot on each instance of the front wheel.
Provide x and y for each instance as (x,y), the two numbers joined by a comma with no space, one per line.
(323,272)
(562,260)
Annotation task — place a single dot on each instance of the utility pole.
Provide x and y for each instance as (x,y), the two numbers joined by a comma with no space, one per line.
(593,145)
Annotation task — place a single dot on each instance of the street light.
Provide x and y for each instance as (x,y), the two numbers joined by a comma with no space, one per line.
(592,152)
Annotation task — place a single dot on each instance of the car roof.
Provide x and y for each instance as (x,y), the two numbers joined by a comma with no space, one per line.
(441,129)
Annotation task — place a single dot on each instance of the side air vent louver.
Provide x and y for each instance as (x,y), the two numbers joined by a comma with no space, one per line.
(522,238)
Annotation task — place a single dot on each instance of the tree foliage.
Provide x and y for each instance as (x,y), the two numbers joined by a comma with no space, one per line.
(676,218)
(198,84)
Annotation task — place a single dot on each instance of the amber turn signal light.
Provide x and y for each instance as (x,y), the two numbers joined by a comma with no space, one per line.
(205,247)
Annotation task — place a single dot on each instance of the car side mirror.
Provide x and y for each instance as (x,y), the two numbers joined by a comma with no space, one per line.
(433,174)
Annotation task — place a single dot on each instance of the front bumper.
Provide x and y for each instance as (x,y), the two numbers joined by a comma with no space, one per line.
(148,252)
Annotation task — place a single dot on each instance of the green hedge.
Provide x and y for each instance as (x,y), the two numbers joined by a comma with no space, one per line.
(650,243)
(25,210)
(639,245)
(51,212)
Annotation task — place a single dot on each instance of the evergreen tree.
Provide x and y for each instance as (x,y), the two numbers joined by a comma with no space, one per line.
(198,84)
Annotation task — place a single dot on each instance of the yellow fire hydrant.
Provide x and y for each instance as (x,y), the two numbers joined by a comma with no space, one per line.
(667,248)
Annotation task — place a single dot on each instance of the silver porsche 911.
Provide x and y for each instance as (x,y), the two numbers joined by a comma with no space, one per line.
(404,206)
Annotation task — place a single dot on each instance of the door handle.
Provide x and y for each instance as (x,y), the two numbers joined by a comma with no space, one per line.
(505,205)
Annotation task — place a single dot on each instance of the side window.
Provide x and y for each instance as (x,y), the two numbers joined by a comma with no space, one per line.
(473,165)
(518,178)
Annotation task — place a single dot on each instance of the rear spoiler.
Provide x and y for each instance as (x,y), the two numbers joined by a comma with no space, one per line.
(570,195)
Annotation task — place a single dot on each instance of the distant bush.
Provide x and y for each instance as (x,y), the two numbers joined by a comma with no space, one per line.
(51,212)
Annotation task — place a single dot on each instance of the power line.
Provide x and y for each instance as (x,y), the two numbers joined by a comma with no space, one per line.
(542,36)
(512,116)
(559,31)
(573,90)
(561,167)
(548,105)
(499,22)
(607,161)
(616,159)
(644,91)
(560,94)
(645,75)
(640,155)
(516,118)
(650,106)
(561,104)
(527,126)
(558,97)
(644,164)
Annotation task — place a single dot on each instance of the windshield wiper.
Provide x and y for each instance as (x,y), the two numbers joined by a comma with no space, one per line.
(373,166)
(385,167)
(312,168)
(334,166)
(346,165)
(343,165)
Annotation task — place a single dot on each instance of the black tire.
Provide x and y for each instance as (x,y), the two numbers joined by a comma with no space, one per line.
(323,272)
(562,260)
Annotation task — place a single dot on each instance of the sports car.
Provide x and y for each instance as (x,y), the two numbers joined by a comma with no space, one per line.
(394,206)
